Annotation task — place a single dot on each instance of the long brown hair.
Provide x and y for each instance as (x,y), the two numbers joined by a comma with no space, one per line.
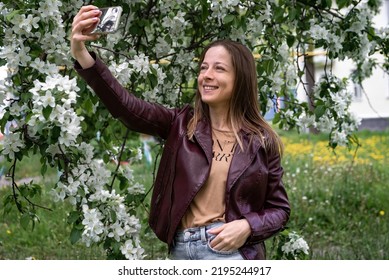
(243,113)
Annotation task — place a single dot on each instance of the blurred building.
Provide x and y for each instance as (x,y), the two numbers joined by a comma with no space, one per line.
(371,99)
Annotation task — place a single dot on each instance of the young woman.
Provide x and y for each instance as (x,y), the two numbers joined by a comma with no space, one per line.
(218,193)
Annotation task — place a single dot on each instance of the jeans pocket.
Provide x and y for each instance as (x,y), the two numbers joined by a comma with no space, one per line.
(220,252)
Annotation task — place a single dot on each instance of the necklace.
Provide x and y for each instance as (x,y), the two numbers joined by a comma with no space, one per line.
(228,139)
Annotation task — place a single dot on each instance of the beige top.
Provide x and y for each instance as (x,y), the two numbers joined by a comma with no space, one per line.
(209,204)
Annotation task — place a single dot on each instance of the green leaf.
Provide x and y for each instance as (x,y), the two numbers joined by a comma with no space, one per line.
(152,80)
(11,15)
(342,3)
(319,111)
(293,13)
(123,182)
(25,220)
(75,235)
(19,155)
(228,19)
(73,217)
(106,158)
(24,190)
(4,121)
(47,111)
(276,118)
(290,39)
(88,106)
(43,169)
(279,14)
(113,215)
(56,132)
(268,65)
(205,11)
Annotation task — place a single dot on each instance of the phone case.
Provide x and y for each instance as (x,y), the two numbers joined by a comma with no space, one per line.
(109,20)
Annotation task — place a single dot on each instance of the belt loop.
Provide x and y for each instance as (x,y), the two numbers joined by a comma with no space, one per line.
(203,234)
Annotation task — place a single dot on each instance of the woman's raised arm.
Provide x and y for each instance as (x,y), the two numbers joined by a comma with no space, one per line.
(83,24)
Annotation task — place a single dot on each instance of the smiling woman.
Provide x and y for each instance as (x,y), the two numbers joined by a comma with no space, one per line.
(209,188)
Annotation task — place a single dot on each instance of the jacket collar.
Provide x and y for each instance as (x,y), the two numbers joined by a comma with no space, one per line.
(203,135)
(241,159)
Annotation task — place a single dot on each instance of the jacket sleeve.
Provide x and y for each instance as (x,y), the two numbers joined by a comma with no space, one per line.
(135,113)
(276,211)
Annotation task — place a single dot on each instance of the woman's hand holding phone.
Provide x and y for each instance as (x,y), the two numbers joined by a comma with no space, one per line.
(83,25)
(87,25)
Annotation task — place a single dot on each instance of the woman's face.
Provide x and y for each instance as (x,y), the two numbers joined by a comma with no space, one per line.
(216,78)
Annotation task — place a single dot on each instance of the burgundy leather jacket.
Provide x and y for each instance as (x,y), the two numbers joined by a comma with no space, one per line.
(254,189)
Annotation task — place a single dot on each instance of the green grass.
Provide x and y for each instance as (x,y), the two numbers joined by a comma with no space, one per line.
(341,209)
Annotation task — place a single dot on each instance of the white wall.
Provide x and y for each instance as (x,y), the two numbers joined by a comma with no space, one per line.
(375,103)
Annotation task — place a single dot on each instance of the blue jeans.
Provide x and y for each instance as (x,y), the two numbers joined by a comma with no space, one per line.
(193,244)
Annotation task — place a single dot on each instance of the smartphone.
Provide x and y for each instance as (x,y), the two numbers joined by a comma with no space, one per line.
(109,20)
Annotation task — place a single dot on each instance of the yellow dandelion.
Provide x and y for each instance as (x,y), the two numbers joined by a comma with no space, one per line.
(8,231)
(382,212)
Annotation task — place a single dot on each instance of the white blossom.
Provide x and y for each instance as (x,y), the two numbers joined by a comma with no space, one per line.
(59,193)
(122,71)
(326,123)
(93,226)
(295,245)
(132,252)
(53,149)
(49,8)
(12,144)
(136,189)
(318,31)
(87,151)
(117,231)
(306,120)
(162,47)
(141,63)
(339,137)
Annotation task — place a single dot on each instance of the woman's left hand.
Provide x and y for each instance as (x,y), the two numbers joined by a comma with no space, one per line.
(230,236)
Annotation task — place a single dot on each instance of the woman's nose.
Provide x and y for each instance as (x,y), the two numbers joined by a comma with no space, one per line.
(208,74)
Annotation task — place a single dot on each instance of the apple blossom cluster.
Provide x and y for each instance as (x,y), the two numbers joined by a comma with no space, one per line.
(124,228)
(332,94)
(52,107)
(295,246)
(45,114)
(27,30)
(332,116)
(12,144)
(221,8)
(176,24)
(85,186)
